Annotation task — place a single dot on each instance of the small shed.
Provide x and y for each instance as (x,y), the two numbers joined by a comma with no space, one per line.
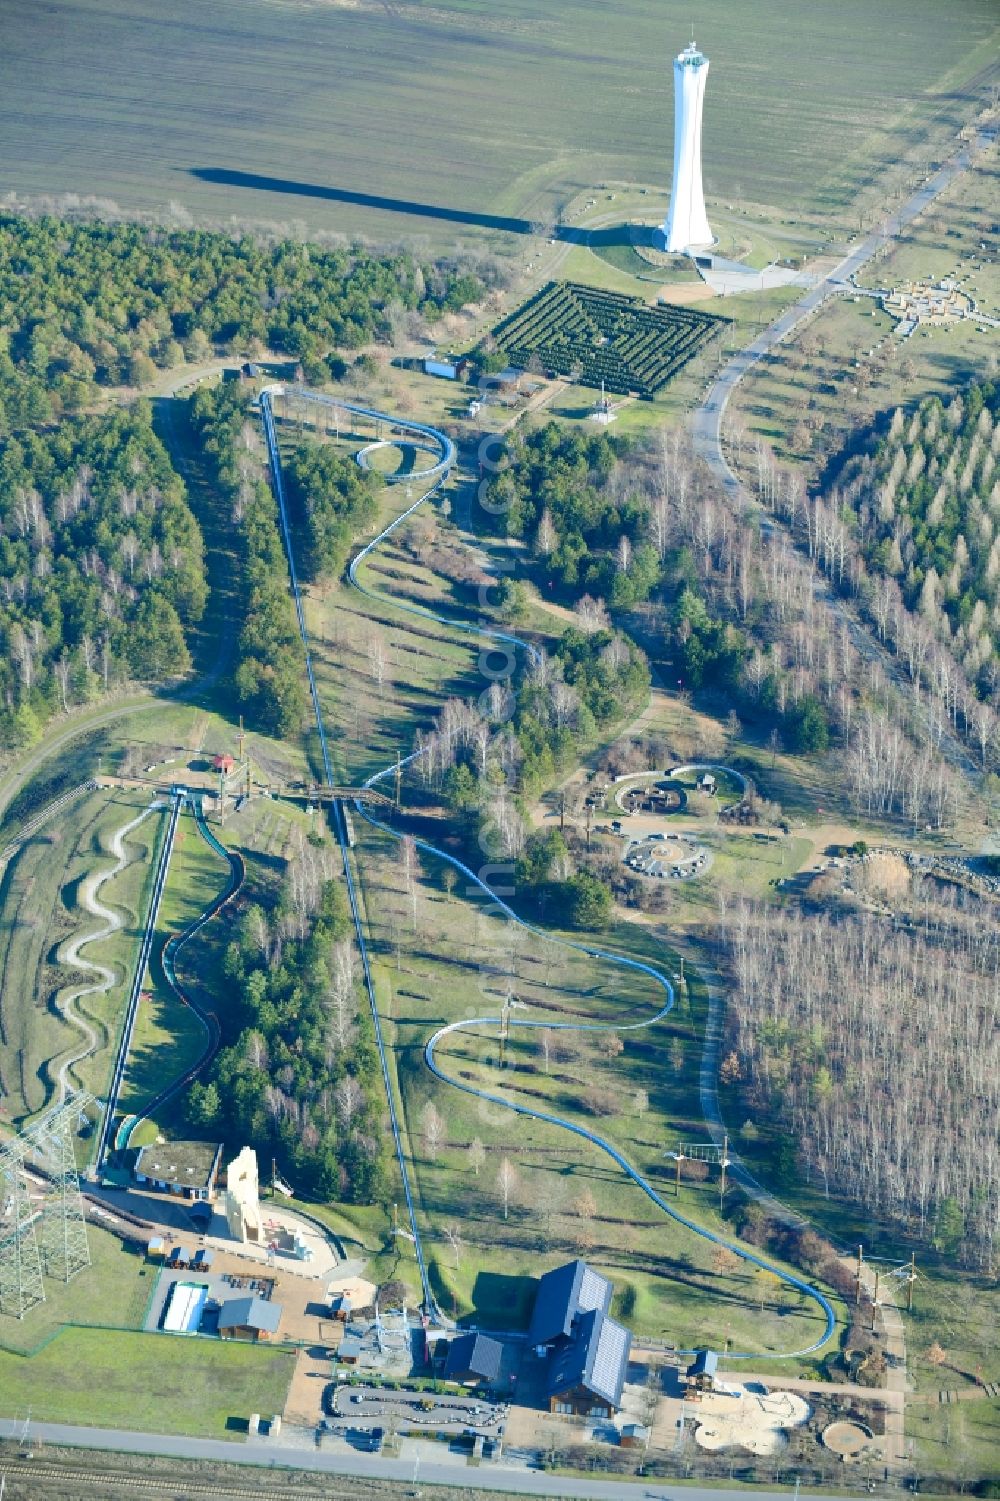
(155,1248)
(707,782)
(701,1373)
(634,1436)
(224,763)
(341,1308)
(349,1350)
(179,1256)
(249,1318)
(202,1259)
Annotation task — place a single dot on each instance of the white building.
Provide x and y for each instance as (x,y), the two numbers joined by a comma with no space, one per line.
(686,225)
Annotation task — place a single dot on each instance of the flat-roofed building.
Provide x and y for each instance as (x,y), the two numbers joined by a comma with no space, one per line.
(189,1169)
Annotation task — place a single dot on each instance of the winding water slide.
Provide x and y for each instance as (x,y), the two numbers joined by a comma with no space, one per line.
(433,476)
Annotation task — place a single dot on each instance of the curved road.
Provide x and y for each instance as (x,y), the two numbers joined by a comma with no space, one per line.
(706,424)
(437,475)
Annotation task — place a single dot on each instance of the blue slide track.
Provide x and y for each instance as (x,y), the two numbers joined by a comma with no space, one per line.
(104,1143)
(437,475)
(171,950)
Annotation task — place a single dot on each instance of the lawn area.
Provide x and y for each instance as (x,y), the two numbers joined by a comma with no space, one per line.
(960,1440)
(114,1289)
(168,1035)
(157,1383)
(568,1197)
(469,112)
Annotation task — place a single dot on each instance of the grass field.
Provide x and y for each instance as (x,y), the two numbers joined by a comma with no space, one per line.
(155,1383)
(444,120)
(458,961)
(845,365)
(39,909)
(168,1036)
(114,1289)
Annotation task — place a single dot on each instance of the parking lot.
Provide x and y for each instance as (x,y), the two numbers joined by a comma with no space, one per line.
(369,1407)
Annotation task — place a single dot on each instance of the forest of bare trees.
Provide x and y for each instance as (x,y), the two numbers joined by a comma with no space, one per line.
(911,530)
(876,1042)
(798,651)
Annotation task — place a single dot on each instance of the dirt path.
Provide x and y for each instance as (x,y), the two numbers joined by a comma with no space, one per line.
(70,952)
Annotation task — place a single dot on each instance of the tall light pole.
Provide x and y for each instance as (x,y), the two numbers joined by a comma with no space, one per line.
(686,225)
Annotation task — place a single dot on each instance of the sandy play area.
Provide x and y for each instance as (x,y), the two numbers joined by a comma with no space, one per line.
(748,1418)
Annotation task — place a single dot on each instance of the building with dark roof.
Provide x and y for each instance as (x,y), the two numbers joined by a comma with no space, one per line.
(563,1294)
(249,1318)
(701,1372)
(587,1350)
(473,1359)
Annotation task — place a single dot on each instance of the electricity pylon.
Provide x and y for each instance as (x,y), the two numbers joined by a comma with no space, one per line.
(20,1268)
(58,1213)
(65,1248)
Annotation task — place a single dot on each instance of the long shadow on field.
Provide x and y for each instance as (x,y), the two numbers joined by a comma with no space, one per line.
(618,234)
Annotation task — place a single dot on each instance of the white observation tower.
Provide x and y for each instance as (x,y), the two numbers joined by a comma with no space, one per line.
(686,224)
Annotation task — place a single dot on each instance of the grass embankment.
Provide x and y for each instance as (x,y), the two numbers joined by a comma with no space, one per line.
(40,908)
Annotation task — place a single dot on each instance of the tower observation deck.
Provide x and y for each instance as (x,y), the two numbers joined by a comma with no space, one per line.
(686,225)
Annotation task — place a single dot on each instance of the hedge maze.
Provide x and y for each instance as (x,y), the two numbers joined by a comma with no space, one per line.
(595,336)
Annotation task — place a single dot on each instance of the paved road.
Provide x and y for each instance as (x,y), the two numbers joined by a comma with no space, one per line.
(707,420)
(485,1477)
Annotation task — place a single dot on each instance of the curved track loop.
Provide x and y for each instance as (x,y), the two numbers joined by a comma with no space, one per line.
(621,960)
(171,949)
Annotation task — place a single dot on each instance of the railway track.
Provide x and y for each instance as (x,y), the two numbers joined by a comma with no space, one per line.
(34,824)
(102,1480)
